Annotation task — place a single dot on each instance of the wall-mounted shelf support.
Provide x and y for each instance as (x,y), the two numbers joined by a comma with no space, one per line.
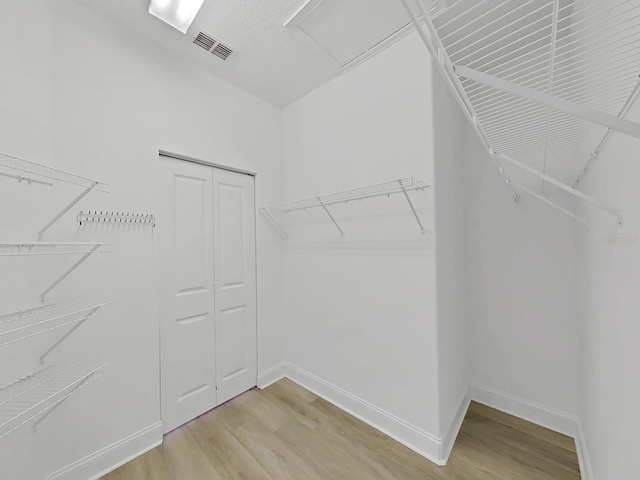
(90,313)
(324,206)
(274,223)
(14,167)
(66,209)
(602,206)
(413,209)
(84,258)
(393,187)
(625,108)
(17,327)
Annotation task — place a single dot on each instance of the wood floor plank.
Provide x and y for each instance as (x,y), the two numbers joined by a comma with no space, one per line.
(287,433)
(225,452)
(545,434)
(280,461)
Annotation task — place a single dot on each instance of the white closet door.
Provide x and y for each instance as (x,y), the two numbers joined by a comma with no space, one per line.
(185,230)
(235,274)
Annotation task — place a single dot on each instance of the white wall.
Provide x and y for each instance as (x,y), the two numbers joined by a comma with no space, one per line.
(81,94)
(609,311)
(361,310)
(521,299)
(452,262)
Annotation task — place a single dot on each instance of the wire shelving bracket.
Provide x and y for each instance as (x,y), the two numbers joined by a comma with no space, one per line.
(117,217)
(37,395)
(29,249)
(25,324)
(32,172)
(392,187)
(539,80)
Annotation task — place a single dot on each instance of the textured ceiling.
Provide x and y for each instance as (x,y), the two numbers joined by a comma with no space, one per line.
(271,61)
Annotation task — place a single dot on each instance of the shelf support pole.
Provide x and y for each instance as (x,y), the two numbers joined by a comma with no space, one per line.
(326,209)
(66,335)
(66,209)
(68,272)
(557,103)
(413,209)
(275,224)
(59,402)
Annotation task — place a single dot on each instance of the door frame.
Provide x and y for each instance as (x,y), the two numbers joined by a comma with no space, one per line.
(186,158)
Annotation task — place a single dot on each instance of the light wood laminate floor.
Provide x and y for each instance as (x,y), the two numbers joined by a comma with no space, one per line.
(287,433)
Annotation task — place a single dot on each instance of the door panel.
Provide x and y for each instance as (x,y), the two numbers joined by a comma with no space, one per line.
(235,273)
(185,229)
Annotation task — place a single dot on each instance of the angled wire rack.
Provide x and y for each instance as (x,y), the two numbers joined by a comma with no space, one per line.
(36,173)
(20,326)
(544,82)
(38,394)
(42,248)
(40,173)
(392,187)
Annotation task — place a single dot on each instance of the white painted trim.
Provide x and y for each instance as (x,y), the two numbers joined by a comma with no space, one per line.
(418,440)
(272,375)
(586,473)
(542,415)
(451,433)
(109,458)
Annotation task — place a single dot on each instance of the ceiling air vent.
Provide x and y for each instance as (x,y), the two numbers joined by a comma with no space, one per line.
(212,45)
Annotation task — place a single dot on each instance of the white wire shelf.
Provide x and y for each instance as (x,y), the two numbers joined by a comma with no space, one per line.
(39,394)
(32,172)
(545,82)
(41,248)
(388,188)
(36,172)
(21,326)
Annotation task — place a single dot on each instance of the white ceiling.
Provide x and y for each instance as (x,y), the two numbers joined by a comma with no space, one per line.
(271,61)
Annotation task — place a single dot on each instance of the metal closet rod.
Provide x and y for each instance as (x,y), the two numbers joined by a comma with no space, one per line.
(602,206)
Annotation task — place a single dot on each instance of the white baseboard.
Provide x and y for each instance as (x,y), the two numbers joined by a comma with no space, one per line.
(272,375)
(451,434)
(418,440)
(109,458)
(583,455)
(544,416)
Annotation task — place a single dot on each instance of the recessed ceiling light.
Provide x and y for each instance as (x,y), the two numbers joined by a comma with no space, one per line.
(177,13)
